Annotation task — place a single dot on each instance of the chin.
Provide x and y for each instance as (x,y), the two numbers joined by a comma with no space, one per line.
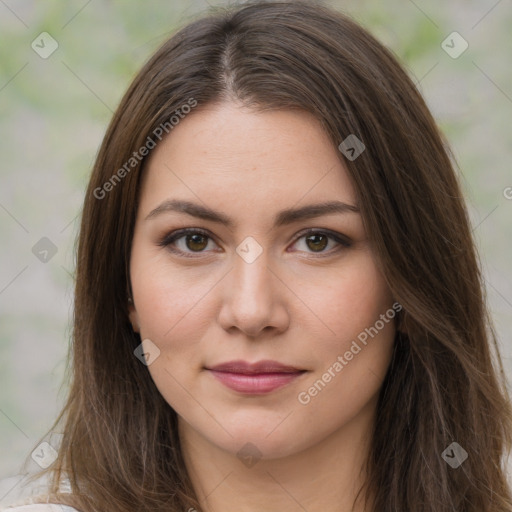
(265,443)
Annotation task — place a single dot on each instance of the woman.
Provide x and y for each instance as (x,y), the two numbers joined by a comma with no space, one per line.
(278,303)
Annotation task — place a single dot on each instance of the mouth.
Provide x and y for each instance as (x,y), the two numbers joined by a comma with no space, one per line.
(255,378)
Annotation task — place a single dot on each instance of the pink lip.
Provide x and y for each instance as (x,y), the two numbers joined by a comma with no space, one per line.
(256,378)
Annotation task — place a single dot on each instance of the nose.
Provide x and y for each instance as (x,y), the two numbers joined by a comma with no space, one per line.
(253,299)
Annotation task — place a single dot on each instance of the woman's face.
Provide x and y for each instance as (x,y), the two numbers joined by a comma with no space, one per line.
(250,284)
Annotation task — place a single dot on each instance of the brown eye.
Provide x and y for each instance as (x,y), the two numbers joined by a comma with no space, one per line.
(322,242)
(196,242)
(186,242)
(317,242)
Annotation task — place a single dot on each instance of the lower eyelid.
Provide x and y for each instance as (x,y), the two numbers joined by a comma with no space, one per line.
(170,239)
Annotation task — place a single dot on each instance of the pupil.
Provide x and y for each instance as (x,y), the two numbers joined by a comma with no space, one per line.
(196,240)
(316,246)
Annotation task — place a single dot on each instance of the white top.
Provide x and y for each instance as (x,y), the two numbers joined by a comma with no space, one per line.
(17,495)
(39,507)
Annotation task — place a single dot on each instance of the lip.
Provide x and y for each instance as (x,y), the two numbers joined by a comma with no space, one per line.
(255,378)
(246,368)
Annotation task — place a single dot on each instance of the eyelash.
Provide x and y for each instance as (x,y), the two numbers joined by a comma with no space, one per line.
(172,237)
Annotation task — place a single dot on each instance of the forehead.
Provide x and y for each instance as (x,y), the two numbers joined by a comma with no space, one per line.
(232,157)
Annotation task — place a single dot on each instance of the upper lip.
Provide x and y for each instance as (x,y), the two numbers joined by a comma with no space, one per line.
(244,367)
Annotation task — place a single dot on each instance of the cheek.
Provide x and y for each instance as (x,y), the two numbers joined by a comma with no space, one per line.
(174,312)
(351,304)
(350,300)
(353,362)
(168,300)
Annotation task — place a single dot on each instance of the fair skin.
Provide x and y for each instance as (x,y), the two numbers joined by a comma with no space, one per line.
(301,302)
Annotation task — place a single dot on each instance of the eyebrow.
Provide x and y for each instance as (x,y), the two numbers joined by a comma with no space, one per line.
(282,218)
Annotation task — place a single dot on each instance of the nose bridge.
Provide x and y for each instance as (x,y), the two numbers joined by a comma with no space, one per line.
(251,273)
(250,304)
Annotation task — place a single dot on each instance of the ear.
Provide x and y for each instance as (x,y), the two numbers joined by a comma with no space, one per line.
(133,316)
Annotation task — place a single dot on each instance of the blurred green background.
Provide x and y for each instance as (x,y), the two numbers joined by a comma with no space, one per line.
(54,111)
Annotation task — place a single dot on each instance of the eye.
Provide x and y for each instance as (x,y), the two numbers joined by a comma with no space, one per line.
(188,241)
(316,241)
(193,240)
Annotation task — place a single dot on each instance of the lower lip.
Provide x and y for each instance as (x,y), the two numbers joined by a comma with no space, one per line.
(255,384)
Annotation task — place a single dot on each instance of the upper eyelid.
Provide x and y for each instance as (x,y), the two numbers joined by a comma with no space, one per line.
(173,236)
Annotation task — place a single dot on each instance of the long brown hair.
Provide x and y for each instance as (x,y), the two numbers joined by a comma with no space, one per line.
(445,384)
